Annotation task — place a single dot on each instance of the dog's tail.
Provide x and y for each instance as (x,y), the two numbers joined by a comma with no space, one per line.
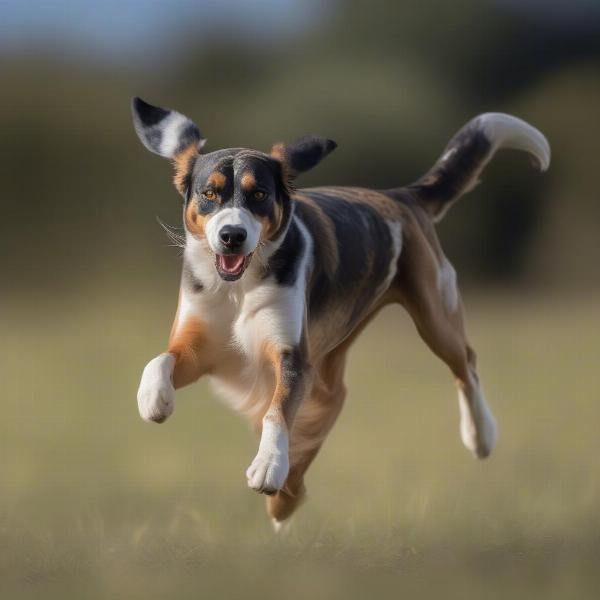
(457,171)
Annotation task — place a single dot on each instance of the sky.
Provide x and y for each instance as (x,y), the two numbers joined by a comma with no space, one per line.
(139,30)
(144,31)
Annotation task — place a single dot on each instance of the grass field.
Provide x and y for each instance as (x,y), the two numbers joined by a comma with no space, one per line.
(95,503)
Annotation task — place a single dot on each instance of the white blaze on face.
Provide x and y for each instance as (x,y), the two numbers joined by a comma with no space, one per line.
(238,217)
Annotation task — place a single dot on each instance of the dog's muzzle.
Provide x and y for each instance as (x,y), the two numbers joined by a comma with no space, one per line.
(232,263)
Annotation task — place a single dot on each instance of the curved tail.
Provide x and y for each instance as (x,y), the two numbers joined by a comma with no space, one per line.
(457,171)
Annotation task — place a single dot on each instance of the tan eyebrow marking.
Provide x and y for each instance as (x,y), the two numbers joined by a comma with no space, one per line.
(248,181)
(216,179)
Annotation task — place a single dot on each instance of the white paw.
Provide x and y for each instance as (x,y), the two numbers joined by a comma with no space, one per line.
(268,472)
(156,394)
(477,426)
(270,468)
(281,527)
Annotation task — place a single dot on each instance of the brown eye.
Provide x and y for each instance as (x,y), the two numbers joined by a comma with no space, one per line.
(258,195)
(210,195)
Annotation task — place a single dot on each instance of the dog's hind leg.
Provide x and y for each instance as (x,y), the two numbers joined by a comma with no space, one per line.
(428,290)
(313,422)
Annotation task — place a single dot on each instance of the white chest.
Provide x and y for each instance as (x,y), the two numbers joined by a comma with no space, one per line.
(241,318)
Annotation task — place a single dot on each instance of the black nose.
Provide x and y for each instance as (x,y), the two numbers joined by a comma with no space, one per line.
(232,236)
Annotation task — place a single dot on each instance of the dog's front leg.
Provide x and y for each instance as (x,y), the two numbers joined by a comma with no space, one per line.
(186,359)
(269,470)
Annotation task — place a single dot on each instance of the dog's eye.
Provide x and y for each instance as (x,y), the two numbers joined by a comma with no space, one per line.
(210,195)
(258,195)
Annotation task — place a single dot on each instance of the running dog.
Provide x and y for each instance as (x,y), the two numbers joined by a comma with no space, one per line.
(277,283)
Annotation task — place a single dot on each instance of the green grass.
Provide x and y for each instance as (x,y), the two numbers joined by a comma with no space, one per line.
(95,503)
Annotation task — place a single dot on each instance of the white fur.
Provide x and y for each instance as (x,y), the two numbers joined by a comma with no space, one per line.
(156,395)
(477,424)
(506,131)
(448,154)
(447,285)
(281,527)
(242,316)
(201,260)
(270,312)
(395,228)
(172,128)
(240,217)
(270,468)
(275,314)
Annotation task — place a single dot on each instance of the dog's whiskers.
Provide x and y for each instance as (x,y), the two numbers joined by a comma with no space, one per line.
(173,233)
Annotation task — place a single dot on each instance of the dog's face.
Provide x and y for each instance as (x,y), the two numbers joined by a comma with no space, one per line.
(235,199)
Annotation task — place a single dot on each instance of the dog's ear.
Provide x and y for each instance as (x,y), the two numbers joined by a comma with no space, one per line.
(170,134)
(164,131)
(303,154)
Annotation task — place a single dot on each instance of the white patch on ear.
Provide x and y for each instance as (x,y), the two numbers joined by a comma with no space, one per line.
(156,394)
(477,424)
(172,127)
(240,217)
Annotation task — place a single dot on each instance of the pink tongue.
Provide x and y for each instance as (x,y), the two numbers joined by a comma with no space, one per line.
(231,263)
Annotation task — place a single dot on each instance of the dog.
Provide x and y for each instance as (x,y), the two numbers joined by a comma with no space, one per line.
(277,283)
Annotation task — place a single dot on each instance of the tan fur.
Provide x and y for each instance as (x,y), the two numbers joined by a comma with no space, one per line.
(183,163)
(271,226)
(281,391)
(279,154)
(386,206)
(418,292)
(313,422)
(190,345)
(217,180)
(248,181)
(196,223)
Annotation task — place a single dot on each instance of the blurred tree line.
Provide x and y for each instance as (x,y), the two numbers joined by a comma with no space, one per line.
(390,81)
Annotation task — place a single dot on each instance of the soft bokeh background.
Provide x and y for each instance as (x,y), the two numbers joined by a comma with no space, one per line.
(96,503)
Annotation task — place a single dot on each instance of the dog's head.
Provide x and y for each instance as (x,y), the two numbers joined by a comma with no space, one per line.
(235,199)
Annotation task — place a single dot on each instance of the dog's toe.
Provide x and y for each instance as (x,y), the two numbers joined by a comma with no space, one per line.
(156,405)
(156,394)
(268,473)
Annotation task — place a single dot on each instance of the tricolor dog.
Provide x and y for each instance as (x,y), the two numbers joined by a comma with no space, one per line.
(277,283)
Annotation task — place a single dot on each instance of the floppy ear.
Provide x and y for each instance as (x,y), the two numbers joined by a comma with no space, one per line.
(170,134)
(164,131)
(303,154)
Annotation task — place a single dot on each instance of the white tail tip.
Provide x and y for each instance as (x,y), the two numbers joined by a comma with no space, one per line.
(506,131)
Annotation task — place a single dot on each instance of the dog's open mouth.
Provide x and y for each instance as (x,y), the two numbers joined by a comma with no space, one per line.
(232,266)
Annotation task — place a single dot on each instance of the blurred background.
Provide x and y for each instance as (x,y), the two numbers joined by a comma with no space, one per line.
(93,499)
